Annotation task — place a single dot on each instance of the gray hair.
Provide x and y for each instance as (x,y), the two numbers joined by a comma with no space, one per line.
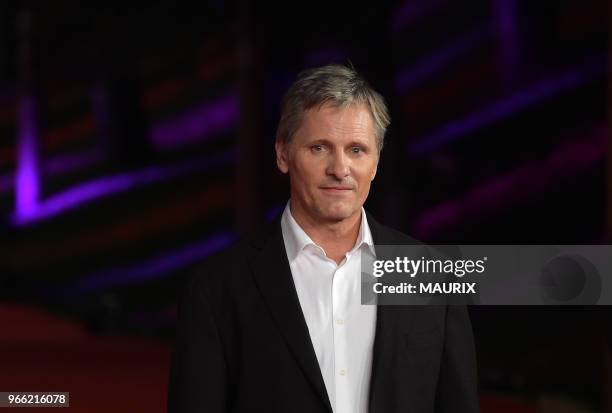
(337,85)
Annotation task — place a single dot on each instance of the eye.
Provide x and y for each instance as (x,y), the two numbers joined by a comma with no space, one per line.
(316,148)
(356,149)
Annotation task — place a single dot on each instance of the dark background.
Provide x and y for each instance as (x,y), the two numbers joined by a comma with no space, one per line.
(136,141)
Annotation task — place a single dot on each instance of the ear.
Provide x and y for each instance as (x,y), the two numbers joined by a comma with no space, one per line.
(281,156)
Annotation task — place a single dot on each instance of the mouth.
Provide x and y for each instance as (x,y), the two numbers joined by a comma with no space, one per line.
(336,190)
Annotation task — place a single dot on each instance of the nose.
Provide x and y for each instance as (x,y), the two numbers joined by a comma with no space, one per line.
(338,166)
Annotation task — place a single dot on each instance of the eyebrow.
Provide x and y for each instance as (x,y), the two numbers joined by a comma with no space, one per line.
(330,143)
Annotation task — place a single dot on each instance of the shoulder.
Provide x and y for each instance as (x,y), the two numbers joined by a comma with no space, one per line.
(220,267)
(384,235)
(233,265)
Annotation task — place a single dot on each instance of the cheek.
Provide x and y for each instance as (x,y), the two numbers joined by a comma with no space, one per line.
(364,188)
(305,177)
(307,170)
(365,174)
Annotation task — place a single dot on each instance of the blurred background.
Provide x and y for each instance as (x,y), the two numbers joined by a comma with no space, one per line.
(136,141)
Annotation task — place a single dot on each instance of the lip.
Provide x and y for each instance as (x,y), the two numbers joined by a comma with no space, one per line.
(336,189)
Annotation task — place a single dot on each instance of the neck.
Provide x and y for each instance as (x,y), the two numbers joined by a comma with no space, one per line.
(335,237)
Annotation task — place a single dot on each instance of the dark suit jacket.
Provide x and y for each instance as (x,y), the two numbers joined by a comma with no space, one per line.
(243,344)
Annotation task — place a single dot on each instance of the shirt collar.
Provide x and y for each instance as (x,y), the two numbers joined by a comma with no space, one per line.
(296,238)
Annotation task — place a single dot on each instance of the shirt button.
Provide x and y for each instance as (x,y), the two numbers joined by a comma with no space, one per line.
(343,372)
(339,321)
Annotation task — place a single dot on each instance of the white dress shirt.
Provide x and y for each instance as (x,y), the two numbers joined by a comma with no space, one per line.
(341,329)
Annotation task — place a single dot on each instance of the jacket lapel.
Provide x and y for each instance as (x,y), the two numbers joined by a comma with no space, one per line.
(273,277)
(391,321)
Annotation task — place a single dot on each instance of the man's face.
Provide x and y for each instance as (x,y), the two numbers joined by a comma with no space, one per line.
(331,162)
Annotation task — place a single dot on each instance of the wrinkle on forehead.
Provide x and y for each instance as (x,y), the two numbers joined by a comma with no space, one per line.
(354,120)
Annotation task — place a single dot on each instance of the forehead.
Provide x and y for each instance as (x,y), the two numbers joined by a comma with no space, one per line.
(328,122)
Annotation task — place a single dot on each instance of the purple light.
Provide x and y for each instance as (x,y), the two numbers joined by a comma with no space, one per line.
(510,188)
(202,121)
(438,60)
(503,108)
(196,123)
(58,165)
(153,268)
(99,188)
(27,179)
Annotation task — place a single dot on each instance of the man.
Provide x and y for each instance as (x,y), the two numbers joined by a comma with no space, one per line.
(276,323)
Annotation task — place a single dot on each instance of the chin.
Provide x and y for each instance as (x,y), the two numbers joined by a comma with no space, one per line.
(338,212)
